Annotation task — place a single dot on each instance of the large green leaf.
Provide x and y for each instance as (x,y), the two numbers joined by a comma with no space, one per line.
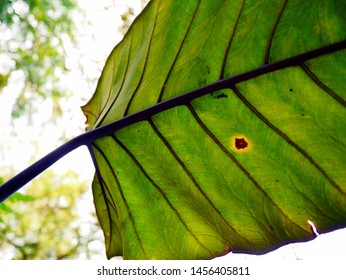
(240,165)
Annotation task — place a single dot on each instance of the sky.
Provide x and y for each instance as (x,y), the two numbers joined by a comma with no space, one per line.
(95,43)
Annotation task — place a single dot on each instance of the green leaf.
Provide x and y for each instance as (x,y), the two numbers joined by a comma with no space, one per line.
(6,209)
(242,164)
(21,197)
(4,80)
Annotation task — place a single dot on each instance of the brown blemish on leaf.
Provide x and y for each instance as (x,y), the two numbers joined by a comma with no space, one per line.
(229,249)
(240,143)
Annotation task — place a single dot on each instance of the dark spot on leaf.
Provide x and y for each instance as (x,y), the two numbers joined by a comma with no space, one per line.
(240,143)
(303,115)
(222,95)
(291,89)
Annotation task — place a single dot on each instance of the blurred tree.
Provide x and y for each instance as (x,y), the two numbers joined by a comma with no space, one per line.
(45,222)
(33,34)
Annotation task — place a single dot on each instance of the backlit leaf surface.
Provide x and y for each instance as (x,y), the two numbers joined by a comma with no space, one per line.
(243,168)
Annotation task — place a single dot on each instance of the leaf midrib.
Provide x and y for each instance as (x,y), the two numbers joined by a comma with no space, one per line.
(186,98)
(89,137)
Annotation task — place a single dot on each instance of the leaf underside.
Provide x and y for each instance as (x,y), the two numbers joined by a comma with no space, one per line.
(241,168)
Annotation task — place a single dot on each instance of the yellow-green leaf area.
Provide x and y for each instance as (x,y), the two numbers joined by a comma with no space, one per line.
(223,128)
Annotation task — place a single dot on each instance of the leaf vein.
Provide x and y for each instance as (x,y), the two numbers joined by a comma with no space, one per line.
(287,139)
(239,165)
(193,179)
(145,63)
(224,60)
(123,197)
(322,85)
(272,33)
(122,83)
(178,53)
(157,187)
(100,178)
(103,194)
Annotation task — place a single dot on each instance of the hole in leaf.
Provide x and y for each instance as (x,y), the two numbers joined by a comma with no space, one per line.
(313,228)
(222,95)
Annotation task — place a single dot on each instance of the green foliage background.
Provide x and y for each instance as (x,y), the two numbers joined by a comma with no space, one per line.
(36,29)
(45,220)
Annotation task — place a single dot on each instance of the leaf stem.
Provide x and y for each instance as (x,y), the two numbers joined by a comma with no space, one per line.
(87,138)
(14,184)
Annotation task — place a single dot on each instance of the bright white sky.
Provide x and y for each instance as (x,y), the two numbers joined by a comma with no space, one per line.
(95,43)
